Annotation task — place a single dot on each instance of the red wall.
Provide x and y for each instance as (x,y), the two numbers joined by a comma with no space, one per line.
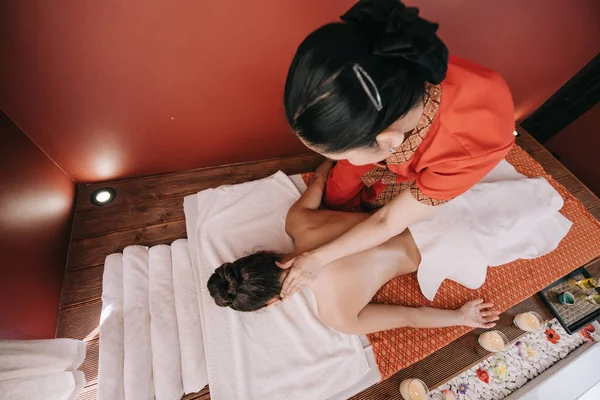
(537,45)
(577,146)
(125,88)
(36,200)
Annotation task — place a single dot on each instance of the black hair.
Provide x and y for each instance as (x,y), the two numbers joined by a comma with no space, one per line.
(325,103)
(248,283)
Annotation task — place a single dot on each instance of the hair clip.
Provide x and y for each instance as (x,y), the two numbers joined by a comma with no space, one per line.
(361,74)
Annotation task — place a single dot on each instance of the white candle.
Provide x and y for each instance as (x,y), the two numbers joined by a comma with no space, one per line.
(491,341)
(413,389)
(527,322)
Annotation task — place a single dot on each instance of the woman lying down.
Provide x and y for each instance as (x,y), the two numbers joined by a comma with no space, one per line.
(343,288)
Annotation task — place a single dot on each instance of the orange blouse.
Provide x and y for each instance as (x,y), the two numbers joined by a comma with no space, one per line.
(466,130)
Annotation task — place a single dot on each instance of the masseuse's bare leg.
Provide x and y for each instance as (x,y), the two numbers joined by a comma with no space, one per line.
(346,286)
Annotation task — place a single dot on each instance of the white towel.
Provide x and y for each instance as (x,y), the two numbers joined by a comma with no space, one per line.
(166,362)
(111,353)
(55,386)
(193,363)
(25,358)
(283,352)
(505,217)
(137,363)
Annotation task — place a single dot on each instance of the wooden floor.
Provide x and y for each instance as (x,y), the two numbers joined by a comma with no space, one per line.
(149,211)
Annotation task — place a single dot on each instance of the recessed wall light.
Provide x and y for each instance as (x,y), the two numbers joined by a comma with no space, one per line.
(516,133)
(103,196)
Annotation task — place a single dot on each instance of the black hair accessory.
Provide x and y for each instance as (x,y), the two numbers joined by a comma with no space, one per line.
(398,31)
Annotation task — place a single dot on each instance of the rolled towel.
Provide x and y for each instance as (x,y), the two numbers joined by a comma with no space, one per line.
(110,368)
(193,362)
(137,363)
(25,358)
(166,360)
(55,386)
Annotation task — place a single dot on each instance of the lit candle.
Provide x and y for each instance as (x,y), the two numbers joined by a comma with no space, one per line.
(528,321)
(492,341)
(413,389)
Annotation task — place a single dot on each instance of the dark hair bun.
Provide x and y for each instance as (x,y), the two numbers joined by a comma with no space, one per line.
(224,284)
(398,31)
(248,283)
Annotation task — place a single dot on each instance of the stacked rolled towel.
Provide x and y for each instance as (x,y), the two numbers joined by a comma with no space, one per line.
(137,361)
(110,357)
(150,332)
(193,361)
(166,360)
(30,369)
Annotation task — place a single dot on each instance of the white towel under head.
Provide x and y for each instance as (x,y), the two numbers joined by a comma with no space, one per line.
(504,217)
(280,352)
(166,361)
(193,364)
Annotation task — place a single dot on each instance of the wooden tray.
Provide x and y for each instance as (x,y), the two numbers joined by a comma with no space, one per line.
(583,312)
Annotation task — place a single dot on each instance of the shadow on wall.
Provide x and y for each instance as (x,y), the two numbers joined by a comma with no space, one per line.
(577,147)
(113,89)
(35,215)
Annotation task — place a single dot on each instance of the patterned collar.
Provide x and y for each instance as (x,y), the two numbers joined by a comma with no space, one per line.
(404,152)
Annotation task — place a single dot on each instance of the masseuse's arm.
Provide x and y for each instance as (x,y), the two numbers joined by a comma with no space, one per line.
(446,181)
(387,222)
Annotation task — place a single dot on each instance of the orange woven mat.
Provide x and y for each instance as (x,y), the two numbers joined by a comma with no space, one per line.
(505,286)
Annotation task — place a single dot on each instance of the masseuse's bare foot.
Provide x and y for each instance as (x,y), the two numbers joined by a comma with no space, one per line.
(474,314)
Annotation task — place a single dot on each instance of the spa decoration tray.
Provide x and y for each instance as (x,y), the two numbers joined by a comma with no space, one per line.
(573,317)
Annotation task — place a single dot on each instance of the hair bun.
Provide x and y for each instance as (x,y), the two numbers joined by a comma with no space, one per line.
(398,31)
(225,283)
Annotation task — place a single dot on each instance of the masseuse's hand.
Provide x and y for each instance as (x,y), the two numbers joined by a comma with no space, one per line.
(303,270)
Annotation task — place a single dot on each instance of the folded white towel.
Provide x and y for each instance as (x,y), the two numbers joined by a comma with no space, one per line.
(193,363)
(137,363)
(111,353)
(504,217)
(283,352)
(166,361)
(25,358)
(56,386)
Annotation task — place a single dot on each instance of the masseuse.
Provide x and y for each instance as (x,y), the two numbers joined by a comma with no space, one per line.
(410,127)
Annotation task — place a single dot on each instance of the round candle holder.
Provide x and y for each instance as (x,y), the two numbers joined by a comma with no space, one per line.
(493,341)
(414,389)
(527,321)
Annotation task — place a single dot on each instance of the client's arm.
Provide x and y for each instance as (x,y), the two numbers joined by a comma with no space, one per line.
(310,199)
(312,196)
(387,222)
(380,317)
